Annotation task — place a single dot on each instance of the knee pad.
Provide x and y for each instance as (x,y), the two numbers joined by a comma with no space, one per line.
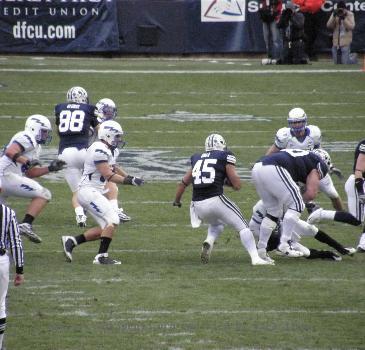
(268,223)
(46,194)
(292,215)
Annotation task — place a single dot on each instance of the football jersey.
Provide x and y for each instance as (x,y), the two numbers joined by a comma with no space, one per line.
(31,150)
(298,163)
(74,122)
(285,138)
(98,152)
(360,149)
(209,173)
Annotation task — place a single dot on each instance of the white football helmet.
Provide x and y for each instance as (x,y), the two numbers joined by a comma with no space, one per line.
(77,94)
(112,133)
(105,109)
(324,156)
(40,127)
(298,117)
(215,142)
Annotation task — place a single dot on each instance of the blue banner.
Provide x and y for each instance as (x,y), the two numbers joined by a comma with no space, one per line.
(58,26)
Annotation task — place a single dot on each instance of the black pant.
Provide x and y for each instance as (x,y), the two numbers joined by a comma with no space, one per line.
(311,30)
(293,53)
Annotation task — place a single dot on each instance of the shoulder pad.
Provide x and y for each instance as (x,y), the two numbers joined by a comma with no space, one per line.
(362,147)
(315,133)
(282,137)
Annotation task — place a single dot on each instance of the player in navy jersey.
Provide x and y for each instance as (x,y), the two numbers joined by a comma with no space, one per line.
(74,120)
(354,187)
(209,172)
(275,177)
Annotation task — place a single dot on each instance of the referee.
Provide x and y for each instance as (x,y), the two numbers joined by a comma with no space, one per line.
(9,240)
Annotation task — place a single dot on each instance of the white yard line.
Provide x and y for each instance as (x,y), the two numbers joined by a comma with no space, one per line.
(83,313)
(199,93)
(37,285)
(179,71)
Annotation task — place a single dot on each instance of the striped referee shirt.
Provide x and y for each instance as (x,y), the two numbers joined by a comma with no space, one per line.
(10,238)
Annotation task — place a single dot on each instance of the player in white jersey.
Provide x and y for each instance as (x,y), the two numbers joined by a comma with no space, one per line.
(105,110)
(299,135)
(98,170)
(301,228)
(20,163)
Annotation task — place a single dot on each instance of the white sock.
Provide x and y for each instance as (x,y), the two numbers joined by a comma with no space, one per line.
(249,243)
(290,219)
(79,210)
(266,228)
(362,241)
(328,214)
(1,340)
(213,233)
(114,203)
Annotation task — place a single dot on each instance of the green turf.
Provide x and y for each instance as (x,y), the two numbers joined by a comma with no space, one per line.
(162,297)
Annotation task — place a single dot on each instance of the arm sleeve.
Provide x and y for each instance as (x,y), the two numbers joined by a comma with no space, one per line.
(16,246)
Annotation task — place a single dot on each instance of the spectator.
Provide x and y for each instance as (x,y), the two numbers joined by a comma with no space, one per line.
(269,11)
(291,24)
(342,23)
(312,23)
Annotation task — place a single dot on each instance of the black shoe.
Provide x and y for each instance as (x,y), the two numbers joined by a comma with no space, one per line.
(68,243)
(103,259)
(205,254)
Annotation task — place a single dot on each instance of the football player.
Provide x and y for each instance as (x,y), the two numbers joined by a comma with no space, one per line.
(354,188)
(209,171)
(301,229)
(299,135)
(20,163)
(275,178)
(99,169)
(74,120)
(105,110)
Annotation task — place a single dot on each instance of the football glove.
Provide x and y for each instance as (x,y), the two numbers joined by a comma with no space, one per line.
(132,180)
(56,165)
(362,198)
(337,172)
(177,204)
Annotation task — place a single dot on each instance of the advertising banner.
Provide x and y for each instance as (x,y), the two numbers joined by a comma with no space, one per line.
(58,26)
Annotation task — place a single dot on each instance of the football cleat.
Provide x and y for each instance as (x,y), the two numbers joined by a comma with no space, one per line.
(103,259)
(68,243)
(264,256)
(334,256)
(206,251)
(26,230)
(287,250)
(259,261)
(350,251)
(300,248)
(315,216)
(123,217)
(81,220)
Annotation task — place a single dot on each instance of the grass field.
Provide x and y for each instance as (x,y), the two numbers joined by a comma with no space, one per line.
(162,297)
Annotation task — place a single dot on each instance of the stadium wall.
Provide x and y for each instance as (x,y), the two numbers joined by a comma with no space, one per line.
(146,26)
